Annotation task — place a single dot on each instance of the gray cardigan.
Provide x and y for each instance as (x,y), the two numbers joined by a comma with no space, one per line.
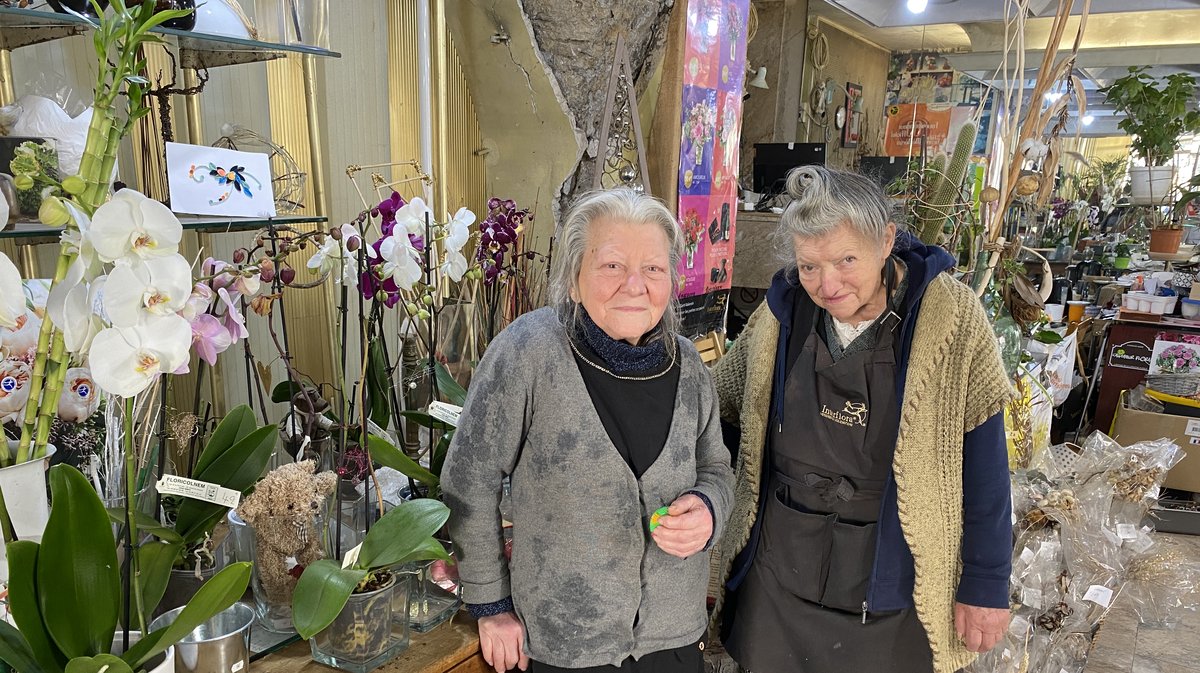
(589,583)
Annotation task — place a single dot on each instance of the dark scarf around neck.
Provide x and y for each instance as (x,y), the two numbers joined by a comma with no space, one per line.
(619,356)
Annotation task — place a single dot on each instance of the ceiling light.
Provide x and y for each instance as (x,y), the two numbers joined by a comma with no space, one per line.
(917,6)
(1087,120)
(1053,96)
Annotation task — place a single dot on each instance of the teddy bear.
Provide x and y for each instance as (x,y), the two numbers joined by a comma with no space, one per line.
(283,511)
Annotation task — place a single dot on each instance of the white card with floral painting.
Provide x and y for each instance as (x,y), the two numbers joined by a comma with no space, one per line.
(1174,357)
(216,181)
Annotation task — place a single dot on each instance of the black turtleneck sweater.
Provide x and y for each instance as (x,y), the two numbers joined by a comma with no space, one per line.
(636,414)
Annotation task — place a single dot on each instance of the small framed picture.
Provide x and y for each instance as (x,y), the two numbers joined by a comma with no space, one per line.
(853,124)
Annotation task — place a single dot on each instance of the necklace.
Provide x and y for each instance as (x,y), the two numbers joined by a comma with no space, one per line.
(581,356)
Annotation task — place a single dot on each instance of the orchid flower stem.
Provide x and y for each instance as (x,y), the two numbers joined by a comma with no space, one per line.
(135,587)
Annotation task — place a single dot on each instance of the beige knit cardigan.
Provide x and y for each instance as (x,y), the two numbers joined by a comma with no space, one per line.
(955,382)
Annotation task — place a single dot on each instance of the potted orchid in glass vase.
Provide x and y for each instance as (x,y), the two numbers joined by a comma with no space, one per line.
(693,231)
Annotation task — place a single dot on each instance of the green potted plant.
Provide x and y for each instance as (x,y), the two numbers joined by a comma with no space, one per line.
(1157,115)
(1122,255)
(235,456)
(355,612)
(66,597)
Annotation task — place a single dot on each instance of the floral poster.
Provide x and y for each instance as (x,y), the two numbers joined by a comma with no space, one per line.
(710,118)
(1174,357)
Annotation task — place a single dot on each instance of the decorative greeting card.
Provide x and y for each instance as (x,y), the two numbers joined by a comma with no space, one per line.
(215,181)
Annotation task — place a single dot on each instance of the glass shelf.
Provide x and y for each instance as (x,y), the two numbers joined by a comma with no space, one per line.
(35,233)
(24,27)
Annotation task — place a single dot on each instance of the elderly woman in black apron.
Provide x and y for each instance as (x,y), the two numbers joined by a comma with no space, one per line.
(872,528)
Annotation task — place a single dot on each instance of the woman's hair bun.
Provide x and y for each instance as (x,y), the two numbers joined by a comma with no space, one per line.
(805,183)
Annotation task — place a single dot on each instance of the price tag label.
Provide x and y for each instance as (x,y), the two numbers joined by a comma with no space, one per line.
(1141,544)
(237,666)
(1112,537)
(1127,531)
(1019,626)
(446,413)
(195,489)
(1027,556)
(1100,595)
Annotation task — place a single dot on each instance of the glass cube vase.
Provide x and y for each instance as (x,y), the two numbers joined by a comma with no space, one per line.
(367,633)
(434,593)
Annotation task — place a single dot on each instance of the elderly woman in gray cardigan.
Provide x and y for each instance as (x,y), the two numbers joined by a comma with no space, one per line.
(601,414)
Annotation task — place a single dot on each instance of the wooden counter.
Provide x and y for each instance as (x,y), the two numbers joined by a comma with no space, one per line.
(450,648)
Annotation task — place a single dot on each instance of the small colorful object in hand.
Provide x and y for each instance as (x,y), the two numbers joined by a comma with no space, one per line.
(656,516)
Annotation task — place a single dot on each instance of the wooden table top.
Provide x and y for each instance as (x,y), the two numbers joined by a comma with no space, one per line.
(453,646)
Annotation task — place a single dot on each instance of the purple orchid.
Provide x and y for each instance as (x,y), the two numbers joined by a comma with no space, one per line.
(387,213)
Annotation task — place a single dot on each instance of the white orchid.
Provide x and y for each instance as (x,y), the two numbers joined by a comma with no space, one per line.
(413,215)
(14,388)
(198,302)
(80,398)
(335,257)
(144,289)
(458,232)
(134,225)
(125,361)
(401,261)
(12,293)
(73,307)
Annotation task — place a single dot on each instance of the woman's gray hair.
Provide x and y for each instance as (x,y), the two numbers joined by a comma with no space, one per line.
(620,204)
(825,198)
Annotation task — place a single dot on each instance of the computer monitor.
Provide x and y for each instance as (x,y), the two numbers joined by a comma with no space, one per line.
(772,161)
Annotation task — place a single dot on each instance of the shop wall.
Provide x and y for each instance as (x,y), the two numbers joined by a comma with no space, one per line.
(769,115)
(854,60)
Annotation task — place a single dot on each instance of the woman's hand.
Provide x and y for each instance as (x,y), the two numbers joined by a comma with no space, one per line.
(686,528)
(980,628)
(502,642)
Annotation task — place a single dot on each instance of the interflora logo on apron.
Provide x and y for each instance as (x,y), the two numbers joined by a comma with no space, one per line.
(852,414)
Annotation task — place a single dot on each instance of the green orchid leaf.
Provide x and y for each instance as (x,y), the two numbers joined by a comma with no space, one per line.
(430,550)
(27,613)
(145,523)
(439,454)
(402,531)
(379,398)
(78,577)
(426,421)
(238,468)
(15,651)
(101,663)
(448,387)
(284,391)
(386,454)
(238,423)
(223,590)
(1047,337)
(321,593)
(155,560)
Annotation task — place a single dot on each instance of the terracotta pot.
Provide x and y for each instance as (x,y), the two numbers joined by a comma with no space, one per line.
(1165,240)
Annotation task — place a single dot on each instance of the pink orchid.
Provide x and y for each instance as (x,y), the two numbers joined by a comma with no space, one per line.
(209,338)
(234,322)
(198,303)
(214,267)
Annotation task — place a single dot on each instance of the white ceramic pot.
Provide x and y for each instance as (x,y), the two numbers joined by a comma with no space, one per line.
(27,500)
(1151,185)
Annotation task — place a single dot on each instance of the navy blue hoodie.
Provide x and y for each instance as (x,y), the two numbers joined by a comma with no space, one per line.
(987,508)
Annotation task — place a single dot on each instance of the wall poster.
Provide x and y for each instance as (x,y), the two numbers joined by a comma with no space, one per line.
(711,119)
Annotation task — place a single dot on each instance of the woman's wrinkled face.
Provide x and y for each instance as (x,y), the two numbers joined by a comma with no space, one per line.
(625,280)
(842,272)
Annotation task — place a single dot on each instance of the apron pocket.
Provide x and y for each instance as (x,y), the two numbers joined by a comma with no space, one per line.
(851,558)
(796,546)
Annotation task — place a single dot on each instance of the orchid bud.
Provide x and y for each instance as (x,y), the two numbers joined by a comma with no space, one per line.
(411,308)
(380,295)
(336,234)
(287,274)
(23,182)
(352,243)
(266,270)
(427,300)
(302,245)
(74,185)
(53,213)
(423,314)
(239,255)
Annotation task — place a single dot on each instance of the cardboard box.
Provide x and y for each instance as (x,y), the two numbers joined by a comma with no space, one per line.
(1131,426)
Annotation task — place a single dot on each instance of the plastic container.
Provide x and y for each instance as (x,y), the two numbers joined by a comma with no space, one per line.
(1055,312)
(1190,308)
(1075,310)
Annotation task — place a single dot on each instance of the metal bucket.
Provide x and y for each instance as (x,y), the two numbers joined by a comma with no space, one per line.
(220,645)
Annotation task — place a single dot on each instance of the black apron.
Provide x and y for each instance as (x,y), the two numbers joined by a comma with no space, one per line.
(803,605)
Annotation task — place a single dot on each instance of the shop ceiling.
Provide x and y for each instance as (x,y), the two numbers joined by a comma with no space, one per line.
(1162,34)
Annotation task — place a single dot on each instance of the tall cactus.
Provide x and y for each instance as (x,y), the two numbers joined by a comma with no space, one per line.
(943,191)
